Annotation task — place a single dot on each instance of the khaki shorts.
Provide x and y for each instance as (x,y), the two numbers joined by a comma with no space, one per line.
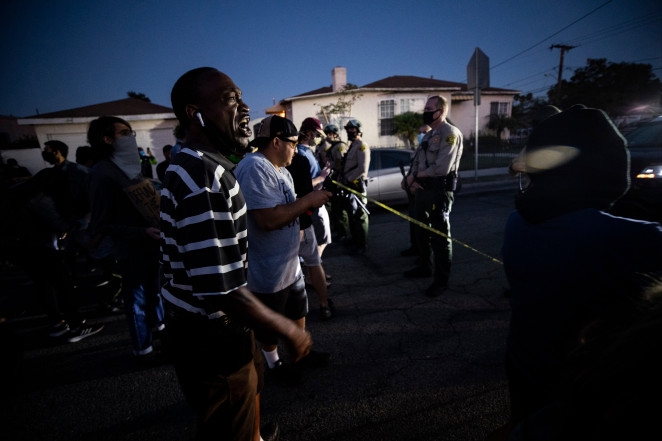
(308,248)
(223,397)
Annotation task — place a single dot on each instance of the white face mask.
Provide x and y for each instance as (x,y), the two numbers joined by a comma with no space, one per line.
(125,156)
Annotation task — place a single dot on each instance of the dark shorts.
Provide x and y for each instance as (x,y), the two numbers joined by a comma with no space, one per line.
(292,302)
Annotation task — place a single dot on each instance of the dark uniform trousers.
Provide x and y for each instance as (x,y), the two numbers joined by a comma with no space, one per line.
(357,219)
(432,206)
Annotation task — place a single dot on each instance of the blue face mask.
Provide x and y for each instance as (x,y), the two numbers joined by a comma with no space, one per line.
(420,137)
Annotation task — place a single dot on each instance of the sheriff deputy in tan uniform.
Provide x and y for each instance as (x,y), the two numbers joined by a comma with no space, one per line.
(432,179)
(336,148)
(355,176)
(333,155)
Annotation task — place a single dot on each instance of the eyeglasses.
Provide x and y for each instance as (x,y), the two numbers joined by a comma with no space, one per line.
(127,132)
(289,141)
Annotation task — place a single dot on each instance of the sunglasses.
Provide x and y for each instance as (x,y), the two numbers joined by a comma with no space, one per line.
(289,141)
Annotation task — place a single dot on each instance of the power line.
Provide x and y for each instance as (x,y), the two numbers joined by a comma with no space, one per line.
(553,35)
(611,31)
(537,74)
(633,24)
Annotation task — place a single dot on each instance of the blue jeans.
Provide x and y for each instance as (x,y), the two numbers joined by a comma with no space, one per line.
(142,302)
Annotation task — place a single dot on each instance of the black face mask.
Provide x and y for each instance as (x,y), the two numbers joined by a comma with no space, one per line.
(352,135)
(48,157)
(428,117)
(216,137)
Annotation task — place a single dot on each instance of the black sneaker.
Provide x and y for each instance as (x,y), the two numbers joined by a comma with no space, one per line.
(411,251)
(326,312)
(82,332)
(315,359)
(347,241)
(270,431)
(418,272)
(285,374)
(357,250)
(59,329)
(436,289)
(153,358)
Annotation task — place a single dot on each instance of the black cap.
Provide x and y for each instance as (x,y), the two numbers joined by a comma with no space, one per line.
(271,127)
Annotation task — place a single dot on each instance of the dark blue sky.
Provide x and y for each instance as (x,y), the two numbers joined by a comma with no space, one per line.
(60,55)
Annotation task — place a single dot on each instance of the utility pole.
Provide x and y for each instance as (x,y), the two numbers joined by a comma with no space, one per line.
(564,48)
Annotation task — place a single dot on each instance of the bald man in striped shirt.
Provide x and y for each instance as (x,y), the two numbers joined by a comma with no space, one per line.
(210,313)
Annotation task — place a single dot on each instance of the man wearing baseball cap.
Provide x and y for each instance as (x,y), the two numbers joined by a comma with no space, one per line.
(354,175)
(333,155)
(274,272)
(311,135)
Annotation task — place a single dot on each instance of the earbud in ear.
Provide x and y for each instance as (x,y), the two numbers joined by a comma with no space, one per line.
(202,123)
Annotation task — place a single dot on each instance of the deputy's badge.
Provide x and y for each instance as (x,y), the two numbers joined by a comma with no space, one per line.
(435,140)
(363,147)
(451,139)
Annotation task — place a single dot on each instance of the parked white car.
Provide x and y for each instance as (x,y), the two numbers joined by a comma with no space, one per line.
(384,175)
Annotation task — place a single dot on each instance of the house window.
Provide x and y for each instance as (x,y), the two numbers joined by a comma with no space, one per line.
(386,113)
(498,108)
(406,104)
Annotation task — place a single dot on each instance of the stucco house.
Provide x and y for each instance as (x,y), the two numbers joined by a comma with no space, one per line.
(375,104)
(152,123)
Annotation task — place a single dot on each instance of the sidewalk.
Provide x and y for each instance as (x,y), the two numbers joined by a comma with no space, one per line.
(488,180)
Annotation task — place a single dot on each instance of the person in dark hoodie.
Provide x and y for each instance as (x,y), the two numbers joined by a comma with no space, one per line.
(123,209)
(569,263)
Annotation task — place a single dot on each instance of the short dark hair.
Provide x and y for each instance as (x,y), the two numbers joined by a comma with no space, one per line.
(100,127)
(59,146)
(84,154)
(186,91)
(166,148)
(179,132)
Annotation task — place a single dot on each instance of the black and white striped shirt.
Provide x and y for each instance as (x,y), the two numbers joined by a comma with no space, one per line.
(203,231)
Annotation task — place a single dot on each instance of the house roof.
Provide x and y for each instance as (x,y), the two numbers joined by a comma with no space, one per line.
(406,82)
(319,91)
(409,82)
(126,106)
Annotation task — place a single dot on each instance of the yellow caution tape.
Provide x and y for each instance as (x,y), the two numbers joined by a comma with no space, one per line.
(419,223)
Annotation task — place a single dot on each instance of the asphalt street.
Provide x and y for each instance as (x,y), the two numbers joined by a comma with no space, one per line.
(403,366)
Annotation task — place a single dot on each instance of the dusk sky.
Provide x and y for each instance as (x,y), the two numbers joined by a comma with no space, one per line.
(65,54)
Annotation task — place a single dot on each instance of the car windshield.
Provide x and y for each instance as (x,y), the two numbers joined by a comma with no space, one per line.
(646,135)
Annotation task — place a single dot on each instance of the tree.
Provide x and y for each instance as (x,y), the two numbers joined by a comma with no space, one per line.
(24,142)
(612,87)
(407,125)
(342,107)
(500,122)
(138,96)
(525,109)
